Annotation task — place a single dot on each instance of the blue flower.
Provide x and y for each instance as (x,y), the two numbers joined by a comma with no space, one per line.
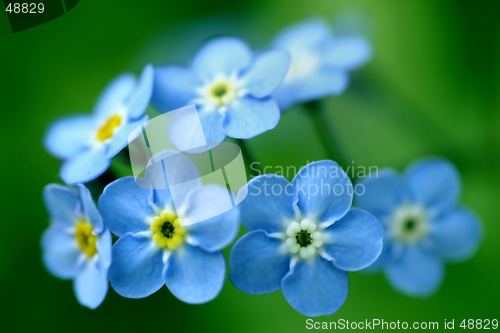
(159,245)
(304,237)
(88,143)
(319,63)
(423,224)
(77,245)
(229,87)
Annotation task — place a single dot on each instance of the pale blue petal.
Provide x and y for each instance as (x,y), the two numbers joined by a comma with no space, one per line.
(384,258)
(306,34)
(324,191)
(354,241)
(381,193)
(266,73)
(89,209)
(124,206)
(68,135)
(195,276)
(86,166)
(225,55)
(433,183)
(112,99)
(138,101)
(182,177)
(315,288)
(62,204)
(217,227)
(89,285)
(457,234)
(185,136)
(416,273)
(60,252)
(136,271)
(103,245)
(123,136)
(257,263)
(248,117)
(268,203)
(174,87)
(348,53)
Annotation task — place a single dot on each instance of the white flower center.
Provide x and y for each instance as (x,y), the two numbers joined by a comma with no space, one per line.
(303,63)
(409,223)
(304,238)
(220,93)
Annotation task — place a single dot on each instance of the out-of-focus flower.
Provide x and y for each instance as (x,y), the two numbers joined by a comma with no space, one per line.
(304,237)
(158,245)
(88,143)
(423,225)
(77,245)
(229,87)
(319,63)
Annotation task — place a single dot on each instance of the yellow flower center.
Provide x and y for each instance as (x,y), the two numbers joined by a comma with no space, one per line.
(85,239)
(108,128)
(168,230)
(222,93)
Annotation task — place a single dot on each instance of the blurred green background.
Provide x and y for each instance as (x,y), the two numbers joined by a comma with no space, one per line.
(431,89)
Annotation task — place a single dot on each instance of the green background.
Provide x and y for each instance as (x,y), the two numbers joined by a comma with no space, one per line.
(431,89)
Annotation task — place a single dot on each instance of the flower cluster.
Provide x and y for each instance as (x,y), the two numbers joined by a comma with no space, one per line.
(304,236)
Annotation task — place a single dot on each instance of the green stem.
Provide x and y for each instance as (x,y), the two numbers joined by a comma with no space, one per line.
(248,156)
(326,133)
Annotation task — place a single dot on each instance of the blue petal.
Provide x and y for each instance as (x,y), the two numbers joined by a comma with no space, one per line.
(384,258)
(315,288)
(456,235)
(67,136)
(355,241)
(138,101)
(62,204)
(266,73)
(124,206)
(348,53)
(306,34)
(206,202)
(103,245)
(257,263)
(195,276)
(136,271)
(324,191)
(60,252)
(90,286)
(416,273)
(248,117)
(174,87)
(182,177)
(86,166)
(114,95)
(433,183)
(124,135)
(381,193)
(224,55)
(185,134)
(216,233)
(268,204)
(89,209)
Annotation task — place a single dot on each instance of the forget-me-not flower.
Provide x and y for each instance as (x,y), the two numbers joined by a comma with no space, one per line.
(229,86)
(319,63)
(423,224)
(77,245)
(88,143)
(159,245)
(304,237)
